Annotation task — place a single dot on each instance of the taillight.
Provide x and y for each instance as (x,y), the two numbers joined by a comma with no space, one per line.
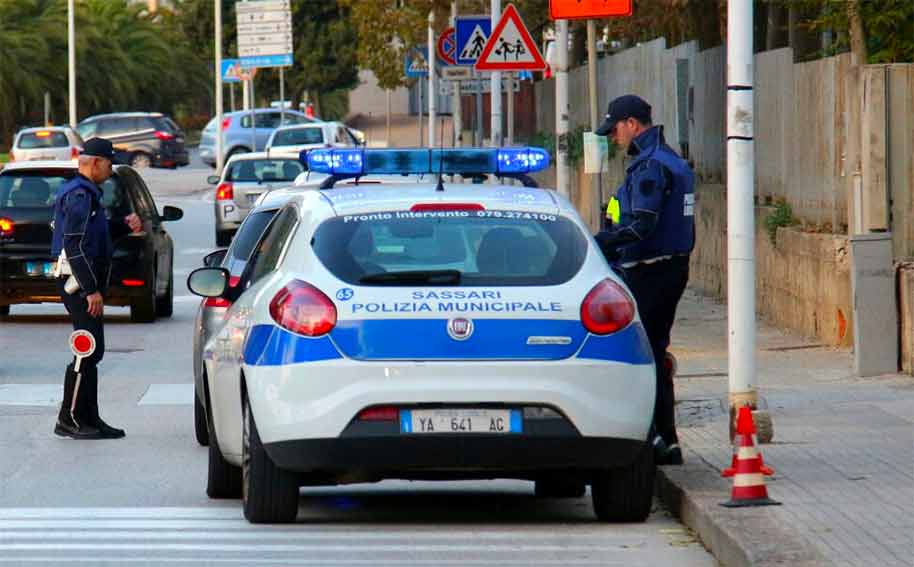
(224,192)
(74,152)
(226,122)
(221,301)
(6,227)
(133,283)
(302,308)
(379,413)
(420,207)
(607,308)
(162,135)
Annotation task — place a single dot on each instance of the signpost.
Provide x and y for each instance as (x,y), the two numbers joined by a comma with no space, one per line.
(264,29)
(447,46)
(510,47)
(82,344)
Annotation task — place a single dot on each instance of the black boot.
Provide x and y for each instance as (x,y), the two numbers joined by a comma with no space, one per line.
(70,422)
(91,409)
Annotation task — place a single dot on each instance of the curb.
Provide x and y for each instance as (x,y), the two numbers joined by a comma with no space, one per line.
(745,537)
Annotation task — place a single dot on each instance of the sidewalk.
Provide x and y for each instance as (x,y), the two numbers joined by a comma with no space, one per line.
(842,451)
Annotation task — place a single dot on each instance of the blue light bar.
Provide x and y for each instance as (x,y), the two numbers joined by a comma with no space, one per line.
(354,162)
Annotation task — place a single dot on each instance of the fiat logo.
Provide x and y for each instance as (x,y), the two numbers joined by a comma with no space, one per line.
(460,329)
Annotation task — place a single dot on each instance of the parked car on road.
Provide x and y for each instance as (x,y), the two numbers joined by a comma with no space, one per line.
(245,178)
(142,275)
(291,140)
(148,139)
(52,143)
(237,132)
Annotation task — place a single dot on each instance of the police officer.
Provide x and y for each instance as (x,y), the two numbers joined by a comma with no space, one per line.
(650,243)
(84,233)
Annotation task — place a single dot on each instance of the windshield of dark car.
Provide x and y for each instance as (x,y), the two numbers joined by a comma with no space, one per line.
(263,170)
(38,189)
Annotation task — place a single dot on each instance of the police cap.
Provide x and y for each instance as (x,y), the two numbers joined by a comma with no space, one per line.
(623,108)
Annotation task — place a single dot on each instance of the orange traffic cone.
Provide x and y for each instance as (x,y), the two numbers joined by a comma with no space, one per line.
(745,426)
(748,478)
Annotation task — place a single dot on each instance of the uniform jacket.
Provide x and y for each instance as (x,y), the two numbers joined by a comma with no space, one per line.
(82,228)
(656,203)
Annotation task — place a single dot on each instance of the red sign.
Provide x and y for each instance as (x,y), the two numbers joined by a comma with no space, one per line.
(510,47)
(588,9)
(82,343)
(447,46)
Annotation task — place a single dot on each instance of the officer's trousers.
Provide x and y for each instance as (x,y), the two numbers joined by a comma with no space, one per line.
(80,389)
(657,288)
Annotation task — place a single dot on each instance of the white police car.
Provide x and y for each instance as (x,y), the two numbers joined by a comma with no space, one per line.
(428,331)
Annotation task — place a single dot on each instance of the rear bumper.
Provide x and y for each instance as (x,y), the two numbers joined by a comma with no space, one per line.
(454,457)
(17,288)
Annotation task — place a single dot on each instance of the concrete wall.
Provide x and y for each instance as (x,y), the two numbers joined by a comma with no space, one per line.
(906,315)
(368,99)
(803,278)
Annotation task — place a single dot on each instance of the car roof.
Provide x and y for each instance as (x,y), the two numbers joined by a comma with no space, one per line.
(278,197)
(263,110)
(302,126)
(124,115)
(358,199)
(31,129)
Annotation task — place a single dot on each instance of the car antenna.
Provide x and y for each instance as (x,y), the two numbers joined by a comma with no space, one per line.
(440,185)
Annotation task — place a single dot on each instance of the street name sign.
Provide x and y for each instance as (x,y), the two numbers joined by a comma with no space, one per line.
(510,47)
(264,33)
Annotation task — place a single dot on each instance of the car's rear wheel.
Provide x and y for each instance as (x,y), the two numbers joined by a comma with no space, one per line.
(223,479)
(223,237)
(270,493)
(559,488)
(625,494)
(140,160)
(143,309)
(200,428)
(165,305)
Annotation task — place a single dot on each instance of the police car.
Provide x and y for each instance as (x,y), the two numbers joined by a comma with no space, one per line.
(428,331)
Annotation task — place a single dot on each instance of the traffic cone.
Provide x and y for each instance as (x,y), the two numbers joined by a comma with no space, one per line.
(745,426)
(748,471)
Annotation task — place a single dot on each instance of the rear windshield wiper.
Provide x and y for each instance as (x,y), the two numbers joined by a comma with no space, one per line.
(434,277)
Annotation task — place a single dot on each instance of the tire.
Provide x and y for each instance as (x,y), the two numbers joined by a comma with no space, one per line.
(223,479)
(165,305)
(143,309)
(4,310)
(140,160)
(223,238)
(201,430)
(625,494)
(270,494)
(559,488)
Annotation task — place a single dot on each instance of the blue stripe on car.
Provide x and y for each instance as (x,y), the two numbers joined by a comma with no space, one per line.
(628,345)
(269,345)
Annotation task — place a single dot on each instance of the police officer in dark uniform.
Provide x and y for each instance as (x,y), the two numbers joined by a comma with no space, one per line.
(651,242)
(84,233)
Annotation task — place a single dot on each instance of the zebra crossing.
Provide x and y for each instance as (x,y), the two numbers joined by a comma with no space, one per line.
(219,535)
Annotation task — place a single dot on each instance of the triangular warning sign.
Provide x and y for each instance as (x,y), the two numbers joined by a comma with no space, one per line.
(510,47)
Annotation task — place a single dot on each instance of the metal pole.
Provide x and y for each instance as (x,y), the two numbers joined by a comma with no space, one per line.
(232,95)
(740,213)
(220,158)
(389,141)
(596,181)
(432,91)
(495,95)
(457,107)
(253,118)
(47,108)
(282,96)
(563,178)
(480,129)
(510,95)
(419,84)
(71,59)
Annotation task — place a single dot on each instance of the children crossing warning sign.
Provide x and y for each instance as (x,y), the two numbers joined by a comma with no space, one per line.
(510,47)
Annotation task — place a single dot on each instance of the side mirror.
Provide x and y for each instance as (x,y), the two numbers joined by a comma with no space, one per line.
(208,282)
(213,179)
(215,258)
(170,213)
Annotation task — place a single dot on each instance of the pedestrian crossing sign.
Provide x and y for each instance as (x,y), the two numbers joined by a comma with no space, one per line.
(510,47)
(416,63)
(471,33)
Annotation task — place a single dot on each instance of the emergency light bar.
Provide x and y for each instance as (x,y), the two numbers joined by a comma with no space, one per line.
(355,162)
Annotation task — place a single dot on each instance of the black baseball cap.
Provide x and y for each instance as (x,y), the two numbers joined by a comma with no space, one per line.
(98,147)
(623,108)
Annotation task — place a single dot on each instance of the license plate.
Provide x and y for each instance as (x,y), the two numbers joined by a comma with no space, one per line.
(252,197)
(457,421)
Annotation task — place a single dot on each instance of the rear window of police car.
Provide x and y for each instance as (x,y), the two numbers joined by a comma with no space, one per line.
(32,140)
(486,247)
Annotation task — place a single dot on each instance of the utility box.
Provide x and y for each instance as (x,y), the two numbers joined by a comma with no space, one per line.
(875,309)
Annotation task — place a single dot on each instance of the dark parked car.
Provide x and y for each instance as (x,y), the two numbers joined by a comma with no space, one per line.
(147,139)
(142,264)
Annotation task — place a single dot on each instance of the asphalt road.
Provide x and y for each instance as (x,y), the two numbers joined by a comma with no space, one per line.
(141,500)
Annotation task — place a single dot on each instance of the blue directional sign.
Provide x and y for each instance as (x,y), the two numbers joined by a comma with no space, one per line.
(416,62)
(281,60)
(472,34)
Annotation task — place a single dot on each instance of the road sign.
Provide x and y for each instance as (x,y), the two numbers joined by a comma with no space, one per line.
(510,47)
(456,73)
(446,88)
(588,9)
(447,46)
(264,33)
(82,344)
(472,32)
(233,72)
(416,63)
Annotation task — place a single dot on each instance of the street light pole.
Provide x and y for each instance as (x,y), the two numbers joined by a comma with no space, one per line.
(562,173)
(71,59)
(432,89)
(220,159)
(495,92)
